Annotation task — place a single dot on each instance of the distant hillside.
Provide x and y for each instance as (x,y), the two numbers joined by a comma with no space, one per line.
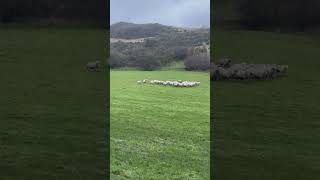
(151,46)
(133,31)
(163,36)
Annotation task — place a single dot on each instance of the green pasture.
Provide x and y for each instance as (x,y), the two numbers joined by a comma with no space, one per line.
(159,132)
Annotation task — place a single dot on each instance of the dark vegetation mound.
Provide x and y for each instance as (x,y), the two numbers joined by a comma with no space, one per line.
(197,63)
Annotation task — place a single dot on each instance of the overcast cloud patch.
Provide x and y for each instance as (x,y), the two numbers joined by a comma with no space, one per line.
(188,13)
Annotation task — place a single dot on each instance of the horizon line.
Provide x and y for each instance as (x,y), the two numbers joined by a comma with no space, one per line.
(178,26)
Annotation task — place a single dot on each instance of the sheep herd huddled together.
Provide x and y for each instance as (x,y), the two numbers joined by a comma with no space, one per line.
(178,83)
(225,70)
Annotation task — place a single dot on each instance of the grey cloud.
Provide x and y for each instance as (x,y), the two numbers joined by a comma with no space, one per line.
(170,12)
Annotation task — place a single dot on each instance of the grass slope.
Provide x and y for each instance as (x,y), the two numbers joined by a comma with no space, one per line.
(268,130)
(159,132)
(52,112)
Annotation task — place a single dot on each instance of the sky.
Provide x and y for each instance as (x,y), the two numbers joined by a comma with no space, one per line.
(180,13)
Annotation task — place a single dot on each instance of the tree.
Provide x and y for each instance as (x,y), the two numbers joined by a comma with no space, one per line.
(197,62)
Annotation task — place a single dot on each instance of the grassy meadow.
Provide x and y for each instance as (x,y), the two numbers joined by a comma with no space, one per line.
(52,112)
(268,129)
(159,132)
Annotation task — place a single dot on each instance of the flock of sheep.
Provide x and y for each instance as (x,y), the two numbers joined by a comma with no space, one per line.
(178,83)
(225,70)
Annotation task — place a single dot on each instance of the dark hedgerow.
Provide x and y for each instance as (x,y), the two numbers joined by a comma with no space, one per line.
(180,53)
(198,62)
(148,63)
(118,60)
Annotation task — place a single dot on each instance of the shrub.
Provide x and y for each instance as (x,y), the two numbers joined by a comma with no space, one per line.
(197,62)
(180,53)
(118,60)
(148,63)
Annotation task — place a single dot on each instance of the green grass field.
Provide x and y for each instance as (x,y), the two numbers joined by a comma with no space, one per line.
(159,132)
(52,112)
(268,129)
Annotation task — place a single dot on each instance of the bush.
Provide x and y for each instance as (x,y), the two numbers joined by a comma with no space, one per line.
(143,58)
(197,62)
(118,60)
(180,53)
(148,63)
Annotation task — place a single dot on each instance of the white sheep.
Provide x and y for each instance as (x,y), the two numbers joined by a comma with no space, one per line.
(178,83)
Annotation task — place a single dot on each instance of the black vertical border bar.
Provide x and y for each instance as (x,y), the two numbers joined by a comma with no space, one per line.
(107,38)
(212,95)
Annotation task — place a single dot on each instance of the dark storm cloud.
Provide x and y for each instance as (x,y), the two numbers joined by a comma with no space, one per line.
(189,13)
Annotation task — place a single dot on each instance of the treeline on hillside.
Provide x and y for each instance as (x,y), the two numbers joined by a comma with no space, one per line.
(151,58)
(165,35)
(94,11)
(162,45)
(127,30)
(297,15)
